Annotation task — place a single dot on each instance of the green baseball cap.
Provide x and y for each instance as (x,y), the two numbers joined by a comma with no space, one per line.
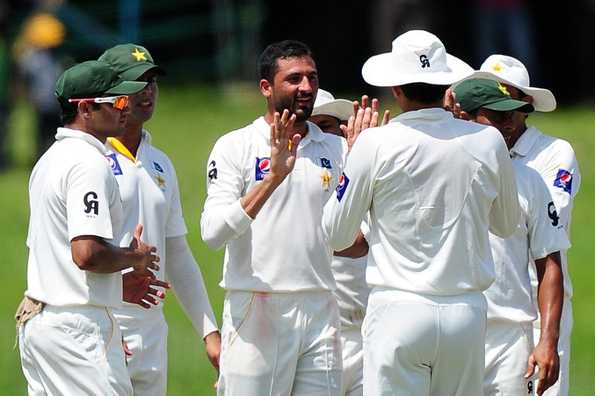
(93,79)
(475,93)
(130,61)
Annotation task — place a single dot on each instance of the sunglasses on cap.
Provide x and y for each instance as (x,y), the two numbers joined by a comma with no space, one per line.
(118,102)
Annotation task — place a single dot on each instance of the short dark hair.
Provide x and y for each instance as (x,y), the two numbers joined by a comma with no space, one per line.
(267,62)
(424,93)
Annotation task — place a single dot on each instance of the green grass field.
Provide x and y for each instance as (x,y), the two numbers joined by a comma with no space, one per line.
(187,123)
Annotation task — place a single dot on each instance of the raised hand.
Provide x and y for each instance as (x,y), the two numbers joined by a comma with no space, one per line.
(146,258)
(284,144)
(140,289)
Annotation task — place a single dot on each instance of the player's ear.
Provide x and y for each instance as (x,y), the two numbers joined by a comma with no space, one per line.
(266,88)
(84,109)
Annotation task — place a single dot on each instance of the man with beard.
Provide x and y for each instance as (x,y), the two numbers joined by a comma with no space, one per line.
(267,184)
(150,195)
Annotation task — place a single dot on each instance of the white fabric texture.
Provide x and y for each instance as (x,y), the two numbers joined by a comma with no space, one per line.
(71,193)
(352,290)
(353,361)
(508,346)
(418,345)
(539,234)
(238,162)
(73,351)
(433,186)
(280,344)
(145,334)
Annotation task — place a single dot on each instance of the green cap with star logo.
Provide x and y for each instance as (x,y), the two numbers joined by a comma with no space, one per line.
(130,61)
(479,92)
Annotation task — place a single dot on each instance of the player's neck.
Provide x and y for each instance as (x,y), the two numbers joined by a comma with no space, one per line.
(132,137)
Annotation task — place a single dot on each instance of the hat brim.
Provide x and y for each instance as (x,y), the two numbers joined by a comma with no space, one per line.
(136,71)
(127,88)
(338,108)
(382,71)
(509,105)
(543,99)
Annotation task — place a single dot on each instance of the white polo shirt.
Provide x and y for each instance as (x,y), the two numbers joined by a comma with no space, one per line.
(283,249)
(538,234)
(555,161)
(150,195)
(72,192)
(433,185)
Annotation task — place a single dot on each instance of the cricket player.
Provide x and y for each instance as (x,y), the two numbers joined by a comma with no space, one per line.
(267,184)
(433,186)
(69,340)
(150,195)
(510,352)
(555,160)
(350,273)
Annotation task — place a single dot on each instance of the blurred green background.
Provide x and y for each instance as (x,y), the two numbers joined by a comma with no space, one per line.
(186,124)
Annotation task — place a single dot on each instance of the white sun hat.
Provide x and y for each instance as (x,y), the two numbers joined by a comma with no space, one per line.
(511,71)
(417,56)
(326,104)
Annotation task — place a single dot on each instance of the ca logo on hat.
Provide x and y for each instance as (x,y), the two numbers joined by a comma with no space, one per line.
(425,62)
(503,89)
(139,55)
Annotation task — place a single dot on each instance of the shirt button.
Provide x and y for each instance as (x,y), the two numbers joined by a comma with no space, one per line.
(138,164)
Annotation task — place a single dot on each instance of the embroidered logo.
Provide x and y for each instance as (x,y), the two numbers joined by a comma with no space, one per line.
(91,203)
(325,163)
(262,168)
(564,180)
(342,187)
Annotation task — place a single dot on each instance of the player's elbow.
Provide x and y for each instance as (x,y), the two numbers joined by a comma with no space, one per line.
(83,254)
(210,236)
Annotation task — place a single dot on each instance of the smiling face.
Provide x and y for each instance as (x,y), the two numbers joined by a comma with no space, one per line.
(294,87)
(142,104)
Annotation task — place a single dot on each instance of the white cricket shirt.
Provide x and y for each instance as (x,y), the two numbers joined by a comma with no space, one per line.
(555,161)
(283,249)
(72,192)
(538,234)
(433,185)
(150,195)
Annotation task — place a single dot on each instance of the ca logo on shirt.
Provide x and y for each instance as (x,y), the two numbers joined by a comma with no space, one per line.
(262,168)
(112,159)
(553,214)
(343,183)
(564,180)
(212,174)
(91,203)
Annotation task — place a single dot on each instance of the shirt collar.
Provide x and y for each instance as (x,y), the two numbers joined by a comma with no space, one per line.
(526,142)
(66,133)
(433,113)
(314,132)
(118,146)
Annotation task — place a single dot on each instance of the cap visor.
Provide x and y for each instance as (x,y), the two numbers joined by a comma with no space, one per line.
(543,99)
(509,105)
(127,88)
(338,108)
(135,72)
(383,71)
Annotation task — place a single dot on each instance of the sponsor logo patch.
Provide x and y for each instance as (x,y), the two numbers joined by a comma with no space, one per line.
(564,180)
(262,168)
(157,167)
(343,183)
(112,159)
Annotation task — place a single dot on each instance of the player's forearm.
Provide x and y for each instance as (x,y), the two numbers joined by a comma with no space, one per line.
(358,249)
(184,275)
(96,255)
(255,199)
(550,297)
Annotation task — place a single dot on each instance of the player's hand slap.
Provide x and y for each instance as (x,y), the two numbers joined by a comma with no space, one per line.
(146,255)
(284,144)
(140,289)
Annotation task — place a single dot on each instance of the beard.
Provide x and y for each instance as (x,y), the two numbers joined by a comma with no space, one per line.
(302,111)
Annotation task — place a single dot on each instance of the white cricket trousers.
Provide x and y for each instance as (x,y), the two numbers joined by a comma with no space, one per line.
(562,386)
(74,350)
(353,361)
(280,344)
(145,334)
(508,346)
(418,345)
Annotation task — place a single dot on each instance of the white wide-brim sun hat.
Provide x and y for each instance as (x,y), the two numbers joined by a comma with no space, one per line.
(326,104)
(508,70)
(417,56)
